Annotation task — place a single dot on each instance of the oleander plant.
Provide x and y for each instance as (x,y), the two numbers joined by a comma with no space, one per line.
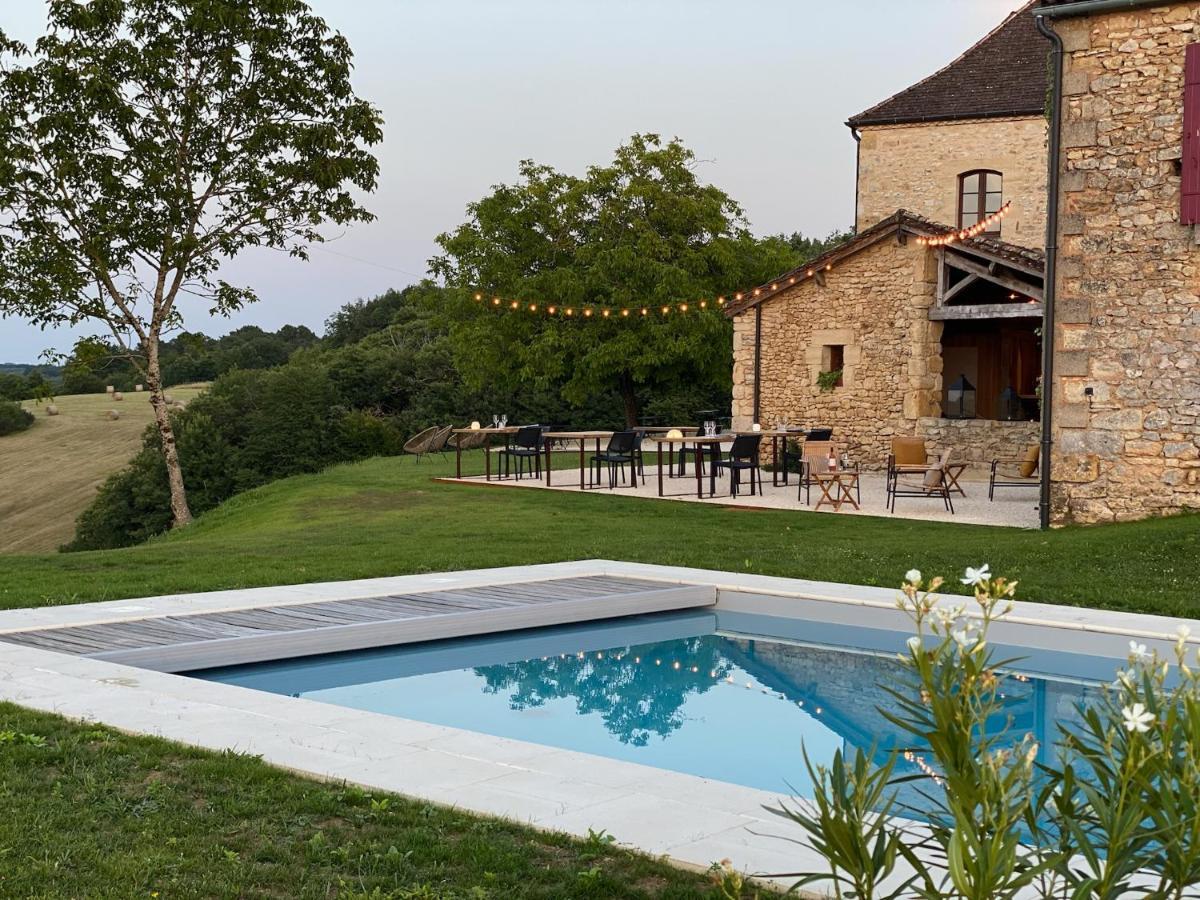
(1115,812)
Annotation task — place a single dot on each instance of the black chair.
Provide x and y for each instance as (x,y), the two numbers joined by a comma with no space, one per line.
(706,450)
(621,451)
(743,456)
(526,446)
(820,434)
(639,438)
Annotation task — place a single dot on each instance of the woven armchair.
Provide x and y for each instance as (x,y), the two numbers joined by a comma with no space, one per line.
(1015,471)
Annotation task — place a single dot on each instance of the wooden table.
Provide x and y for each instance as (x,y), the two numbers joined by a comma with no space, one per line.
(699,442)
(836,487)
(487,447)
(777,438)
(583,437)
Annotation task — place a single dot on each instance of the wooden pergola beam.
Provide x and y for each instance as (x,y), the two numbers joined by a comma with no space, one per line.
(987,311)
(1003,279)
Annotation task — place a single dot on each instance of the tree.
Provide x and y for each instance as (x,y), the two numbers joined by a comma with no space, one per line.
(143,142)
(642,231)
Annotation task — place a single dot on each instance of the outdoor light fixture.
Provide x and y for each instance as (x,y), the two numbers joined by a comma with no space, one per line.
(960,399)
(1010,405)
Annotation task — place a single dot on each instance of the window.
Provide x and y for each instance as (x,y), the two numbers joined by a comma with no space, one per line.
(980,193)
(833,366)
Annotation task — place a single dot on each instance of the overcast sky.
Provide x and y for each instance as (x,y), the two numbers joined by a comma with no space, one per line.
(760,90)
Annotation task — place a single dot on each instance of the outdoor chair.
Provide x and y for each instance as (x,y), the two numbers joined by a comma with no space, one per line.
(621,451)
(431,440)
(680,469)
(1020,472)
(931,482)
(743,457)
(814,458)
(639,438)
(821,435)
(525,448)
(469,440)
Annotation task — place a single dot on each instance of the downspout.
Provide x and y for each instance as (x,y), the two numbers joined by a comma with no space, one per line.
(757,360)
(1049,288)
(857,170)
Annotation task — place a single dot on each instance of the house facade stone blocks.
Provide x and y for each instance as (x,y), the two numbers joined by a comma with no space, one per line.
(1127,335)
(916,167)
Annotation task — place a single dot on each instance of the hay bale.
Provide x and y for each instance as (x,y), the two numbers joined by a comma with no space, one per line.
(51,409)
(117,395)
(139,388)
(168,399)
(114,415)
(109,389)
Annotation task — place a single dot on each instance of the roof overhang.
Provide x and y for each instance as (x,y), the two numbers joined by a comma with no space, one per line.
(1092,7)
(899,226)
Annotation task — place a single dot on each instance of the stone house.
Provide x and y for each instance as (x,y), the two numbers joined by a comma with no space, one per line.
(899,314)
(919,296)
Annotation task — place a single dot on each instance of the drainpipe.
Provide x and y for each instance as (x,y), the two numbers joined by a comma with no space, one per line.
(757,360)
(857,169)
(1048,289)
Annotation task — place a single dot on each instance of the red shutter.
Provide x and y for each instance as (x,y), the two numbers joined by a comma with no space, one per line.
(1189,210)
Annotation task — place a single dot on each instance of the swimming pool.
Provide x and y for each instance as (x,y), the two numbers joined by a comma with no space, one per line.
(729,696)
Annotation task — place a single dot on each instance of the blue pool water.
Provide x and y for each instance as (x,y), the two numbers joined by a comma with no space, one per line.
(728,696)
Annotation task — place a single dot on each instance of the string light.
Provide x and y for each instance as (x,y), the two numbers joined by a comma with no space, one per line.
(965,234)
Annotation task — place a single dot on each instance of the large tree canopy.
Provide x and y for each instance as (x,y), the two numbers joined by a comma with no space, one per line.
(640,231)
(143,142)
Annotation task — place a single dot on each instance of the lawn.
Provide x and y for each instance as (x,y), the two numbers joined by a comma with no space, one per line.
(93,813)
(387,517)
(89,812)
(49,473)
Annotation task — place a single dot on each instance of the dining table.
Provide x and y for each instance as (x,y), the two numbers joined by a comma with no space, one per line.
(549,437)
(699,443)
(487,447)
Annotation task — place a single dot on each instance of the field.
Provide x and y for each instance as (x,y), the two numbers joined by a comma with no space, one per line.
(388,517)
(49,473)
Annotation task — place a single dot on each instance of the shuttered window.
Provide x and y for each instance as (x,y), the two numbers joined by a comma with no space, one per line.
(1189,211)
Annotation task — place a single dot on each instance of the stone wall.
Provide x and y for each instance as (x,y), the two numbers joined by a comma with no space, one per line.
(978,441)
(1127,334)
(916,167)
(875,304)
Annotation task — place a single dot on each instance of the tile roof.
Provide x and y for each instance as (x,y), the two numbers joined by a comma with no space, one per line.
(902,220)
(1004,74)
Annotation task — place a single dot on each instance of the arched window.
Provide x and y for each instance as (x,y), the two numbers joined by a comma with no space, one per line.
(980,193)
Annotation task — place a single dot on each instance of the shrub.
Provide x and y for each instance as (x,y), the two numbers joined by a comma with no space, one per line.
(1118,815)
(13,418)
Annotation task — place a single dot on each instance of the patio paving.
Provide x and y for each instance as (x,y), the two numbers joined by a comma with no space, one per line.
(1013,507)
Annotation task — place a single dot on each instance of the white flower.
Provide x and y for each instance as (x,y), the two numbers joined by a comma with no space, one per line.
(1182,633)
(977,576)
(1138,652)
(915,644)
(913,576)
(1136,718)
(964,634)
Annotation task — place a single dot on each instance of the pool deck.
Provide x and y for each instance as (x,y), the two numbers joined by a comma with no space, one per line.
(692,820)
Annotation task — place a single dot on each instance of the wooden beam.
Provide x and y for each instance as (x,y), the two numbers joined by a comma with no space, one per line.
(987,311)
(1004,280)
(958,288)
(1016,265)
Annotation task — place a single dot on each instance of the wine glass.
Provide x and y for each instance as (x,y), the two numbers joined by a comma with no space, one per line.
(504,421)
(495,421)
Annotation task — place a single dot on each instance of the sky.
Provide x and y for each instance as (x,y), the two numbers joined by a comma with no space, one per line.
(759,89)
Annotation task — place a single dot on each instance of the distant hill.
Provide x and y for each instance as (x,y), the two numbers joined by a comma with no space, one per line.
(10,368)
(49,473)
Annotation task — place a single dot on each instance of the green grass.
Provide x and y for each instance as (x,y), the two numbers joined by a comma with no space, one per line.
(89,812)
(386,517)
(92,813)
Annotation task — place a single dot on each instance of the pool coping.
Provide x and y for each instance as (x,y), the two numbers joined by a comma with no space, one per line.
(689,819)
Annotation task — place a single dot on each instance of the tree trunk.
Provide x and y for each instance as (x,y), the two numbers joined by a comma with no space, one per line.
(181,514)
(629,399)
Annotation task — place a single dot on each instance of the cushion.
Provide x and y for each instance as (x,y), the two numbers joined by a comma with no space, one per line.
(933,477)
(1029,463)
(908,451)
